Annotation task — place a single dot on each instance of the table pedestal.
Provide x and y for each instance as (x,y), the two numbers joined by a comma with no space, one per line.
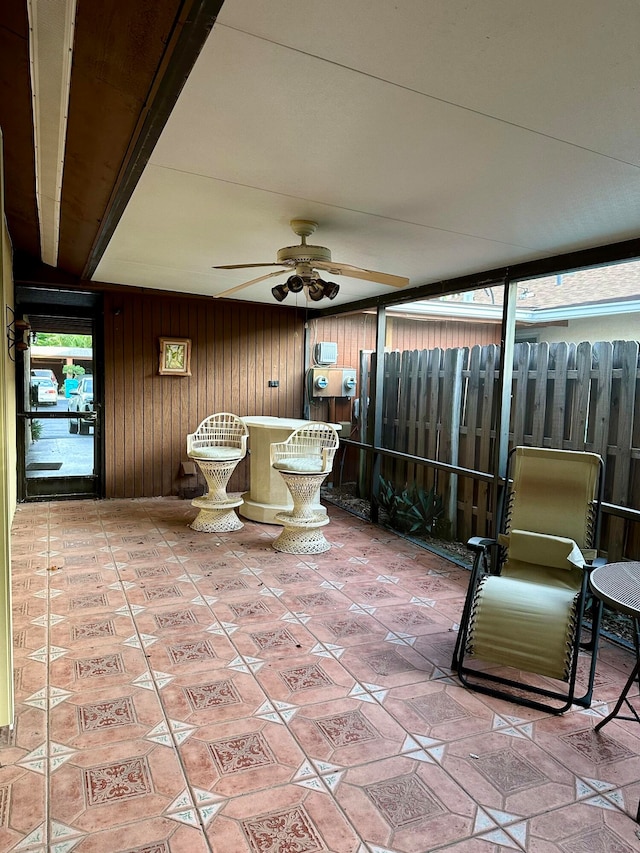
(268,495)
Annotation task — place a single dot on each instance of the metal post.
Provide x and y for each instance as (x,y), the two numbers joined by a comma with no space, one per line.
(507,343)
(377,395)
(306,403)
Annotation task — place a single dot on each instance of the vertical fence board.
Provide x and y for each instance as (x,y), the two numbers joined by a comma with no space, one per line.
(403,414)
(434,407)
(603,368)
(440,404)
(426,474)
(540,393)
(580,397)
(490,362)
(468,445)
(560,357)
(413,424)
(625,358)
(390,410)
(521,358)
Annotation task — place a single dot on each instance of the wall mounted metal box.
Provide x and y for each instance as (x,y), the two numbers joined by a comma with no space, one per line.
(326,352)
(333,382)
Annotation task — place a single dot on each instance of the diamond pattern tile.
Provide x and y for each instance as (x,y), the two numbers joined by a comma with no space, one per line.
(182,691)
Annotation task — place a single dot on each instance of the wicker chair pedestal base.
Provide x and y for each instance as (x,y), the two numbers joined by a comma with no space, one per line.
(216,507)
(304,461)
(301,535)
(216,517)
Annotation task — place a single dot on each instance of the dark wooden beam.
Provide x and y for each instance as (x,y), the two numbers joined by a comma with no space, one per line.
(123,53)
(28,269)
(17,128)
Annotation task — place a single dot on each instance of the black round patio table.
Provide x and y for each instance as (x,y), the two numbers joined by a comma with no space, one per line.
(618,586)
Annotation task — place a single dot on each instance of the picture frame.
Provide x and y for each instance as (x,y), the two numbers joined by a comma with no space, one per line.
(175,357)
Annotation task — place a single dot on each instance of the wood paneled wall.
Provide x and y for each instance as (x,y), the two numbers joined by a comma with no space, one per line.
(405,333)
(356,332)
(236,349)
(352,333)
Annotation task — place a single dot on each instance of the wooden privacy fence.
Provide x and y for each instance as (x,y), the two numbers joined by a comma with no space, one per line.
(442,403)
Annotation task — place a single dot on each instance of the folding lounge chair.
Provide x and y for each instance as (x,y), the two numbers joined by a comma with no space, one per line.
(529,588)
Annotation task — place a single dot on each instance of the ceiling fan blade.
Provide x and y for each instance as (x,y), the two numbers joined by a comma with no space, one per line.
(367,275)
(248,283)
(245,266)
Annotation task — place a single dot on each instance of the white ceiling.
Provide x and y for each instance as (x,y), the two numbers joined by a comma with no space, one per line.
(428,138)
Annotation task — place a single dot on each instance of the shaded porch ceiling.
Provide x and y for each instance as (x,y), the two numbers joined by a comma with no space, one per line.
(429,140)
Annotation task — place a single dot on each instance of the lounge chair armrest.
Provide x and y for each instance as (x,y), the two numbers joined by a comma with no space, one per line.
(480,543)
(485,559)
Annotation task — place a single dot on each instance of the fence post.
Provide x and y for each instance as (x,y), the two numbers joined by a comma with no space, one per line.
(507,343)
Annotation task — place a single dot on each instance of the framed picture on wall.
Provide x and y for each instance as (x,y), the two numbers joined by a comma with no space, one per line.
(175,357)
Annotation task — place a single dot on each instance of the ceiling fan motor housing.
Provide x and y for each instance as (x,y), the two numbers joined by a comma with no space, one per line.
(305,261)
(292,255)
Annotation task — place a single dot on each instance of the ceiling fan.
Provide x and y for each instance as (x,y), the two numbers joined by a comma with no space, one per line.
(305,261)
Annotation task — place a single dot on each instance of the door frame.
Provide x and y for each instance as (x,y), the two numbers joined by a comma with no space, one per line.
(60,304)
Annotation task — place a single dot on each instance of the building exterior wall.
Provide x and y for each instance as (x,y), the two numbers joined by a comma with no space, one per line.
(617,327)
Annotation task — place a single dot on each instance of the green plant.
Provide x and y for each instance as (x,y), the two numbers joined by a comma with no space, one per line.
(36,430)
(388,500)
(413,510)
(53,339)
(73,370)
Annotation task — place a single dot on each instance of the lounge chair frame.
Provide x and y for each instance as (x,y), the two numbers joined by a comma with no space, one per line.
(491,555)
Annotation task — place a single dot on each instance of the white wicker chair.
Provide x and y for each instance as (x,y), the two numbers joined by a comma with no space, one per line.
(304,460)
(219,443)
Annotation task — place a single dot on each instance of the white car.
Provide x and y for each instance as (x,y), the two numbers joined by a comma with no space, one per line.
(43,373)
(81,401)
(44,392)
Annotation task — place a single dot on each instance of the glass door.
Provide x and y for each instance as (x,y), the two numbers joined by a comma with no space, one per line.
(59,409)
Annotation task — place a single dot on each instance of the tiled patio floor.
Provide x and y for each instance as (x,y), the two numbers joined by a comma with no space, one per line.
(180,692)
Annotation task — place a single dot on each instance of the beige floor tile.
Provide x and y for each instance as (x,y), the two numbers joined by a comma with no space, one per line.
(184,692)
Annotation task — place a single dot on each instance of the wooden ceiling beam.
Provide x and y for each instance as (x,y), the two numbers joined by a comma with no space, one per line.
(123,53)
(16,123)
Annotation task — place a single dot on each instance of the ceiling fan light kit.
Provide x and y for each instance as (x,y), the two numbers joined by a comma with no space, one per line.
(317,289)
(315,292)
(331,289)
(280,292)
(305,260)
